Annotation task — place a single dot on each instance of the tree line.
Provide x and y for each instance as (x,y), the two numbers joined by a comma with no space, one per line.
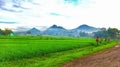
(112,33)
(6,31)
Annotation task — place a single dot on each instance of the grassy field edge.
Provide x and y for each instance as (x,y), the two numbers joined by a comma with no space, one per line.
(57,59)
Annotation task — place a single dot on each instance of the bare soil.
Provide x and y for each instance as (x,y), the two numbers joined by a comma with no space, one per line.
(107,58)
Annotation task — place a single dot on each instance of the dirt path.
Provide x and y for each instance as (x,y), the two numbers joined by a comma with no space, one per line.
(106,58)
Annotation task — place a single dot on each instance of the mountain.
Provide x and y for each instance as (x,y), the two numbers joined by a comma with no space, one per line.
(33,31)
(57,27)
(56,31)
(83,30)
(86,28)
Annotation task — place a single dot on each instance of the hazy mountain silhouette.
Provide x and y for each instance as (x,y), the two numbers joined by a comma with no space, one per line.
(33,31)
(57,27)
(83,29)
(86,28)
(55,30)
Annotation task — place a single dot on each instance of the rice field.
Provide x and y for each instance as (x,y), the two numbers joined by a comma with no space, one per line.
(14,48)
(45,51)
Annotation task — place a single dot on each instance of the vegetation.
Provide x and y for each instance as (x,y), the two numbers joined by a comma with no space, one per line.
(14,48)
(108,33)
(5,32)
(45,51)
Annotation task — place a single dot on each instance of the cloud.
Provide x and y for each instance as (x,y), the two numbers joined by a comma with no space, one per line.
(2,22)
(45,13)
(66,13)
(55,14)
(74,2)
(7,6)
(22,28)
(11,10)
(16,5)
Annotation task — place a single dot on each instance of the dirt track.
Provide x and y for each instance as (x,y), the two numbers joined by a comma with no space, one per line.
(106,58)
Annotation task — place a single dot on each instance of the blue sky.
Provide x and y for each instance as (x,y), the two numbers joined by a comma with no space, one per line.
(67,13)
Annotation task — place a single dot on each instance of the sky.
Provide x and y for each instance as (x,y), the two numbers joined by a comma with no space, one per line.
(66,13)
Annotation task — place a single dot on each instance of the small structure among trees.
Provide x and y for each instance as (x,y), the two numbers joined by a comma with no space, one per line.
(11,34)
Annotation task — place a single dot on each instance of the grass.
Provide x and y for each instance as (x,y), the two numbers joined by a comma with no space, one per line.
(26,47)
(45,51)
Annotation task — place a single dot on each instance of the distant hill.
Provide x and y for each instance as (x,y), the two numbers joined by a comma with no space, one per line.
(54,30)
(33,31)
(83,30)
(86,28)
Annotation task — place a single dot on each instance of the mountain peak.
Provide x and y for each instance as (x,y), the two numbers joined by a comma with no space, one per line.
(84,26)
(34,31)
(55,26)
(33,28)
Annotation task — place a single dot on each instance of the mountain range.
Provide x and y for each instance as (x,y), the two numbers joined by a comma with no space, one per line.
(55,30)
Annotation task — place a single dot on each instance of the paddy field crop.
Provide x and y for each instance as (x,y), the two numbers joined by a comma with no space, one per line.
(45,51)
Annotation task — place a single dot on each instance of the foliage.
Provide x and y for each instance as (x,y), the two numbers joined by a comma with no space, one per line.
(2,32)
(110,32)
(5,32)
(83,34)
(113,32)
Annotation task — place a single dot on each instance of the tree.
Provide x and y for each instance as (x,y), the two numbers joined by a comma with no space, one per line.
(110,32)
(113,32)
(102,33)
(7,31)
(1,32)
(83,34)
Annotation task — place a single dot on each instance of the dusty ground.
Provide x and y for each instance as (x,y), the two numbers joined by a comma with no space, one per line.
(106,58)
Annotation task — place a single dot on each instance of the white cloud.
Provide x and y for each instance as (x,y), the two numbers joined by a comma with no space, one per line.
(98,13)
